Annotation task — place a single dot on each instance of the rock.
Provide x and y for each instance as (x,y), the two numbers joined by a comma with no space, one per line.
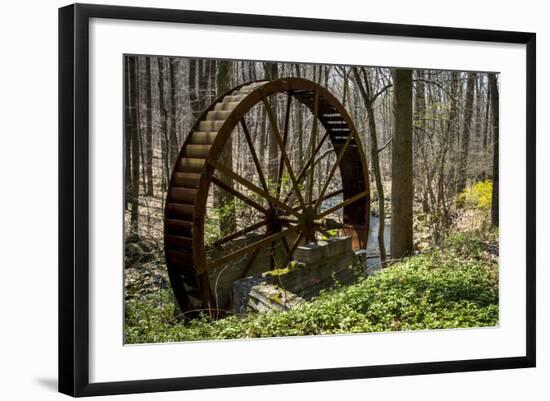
(264,297)
(145,270)
(139,253)
(360,260)
(241,292)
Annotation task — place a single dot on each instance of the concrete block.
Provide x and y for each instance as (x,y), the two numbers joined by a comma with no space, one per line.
(317,251)
(318,266)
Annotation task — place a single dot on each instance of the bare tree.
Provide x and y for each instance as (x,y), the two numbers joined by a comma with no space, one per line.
(271,73)
(402,184)
(173,136)
(368,99)
(127,138)
(193,90)
(299,125)
(462,173)
(222,198)
(133,131)
(164,122)
(493,88)
(149,127)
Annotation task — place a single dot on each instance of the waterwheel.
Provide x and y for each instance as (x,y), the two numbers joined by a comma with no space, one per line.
(295,209)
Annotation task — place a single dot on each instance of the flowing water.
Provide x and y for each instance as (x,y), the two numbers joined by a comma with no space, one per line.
(372,244)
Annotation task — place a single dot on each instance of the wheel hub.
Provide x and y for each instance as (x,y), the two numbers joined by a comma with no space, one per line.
(275,216)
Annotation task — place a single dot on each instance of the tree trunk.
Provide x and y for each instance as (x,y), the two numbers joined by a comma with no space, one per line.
(132,127)
(193,90)
(450,149)
(127,139)
(493,89)
(222,199)
(299,126)
(402,185)
(366,94)
(465,142)
(271,73)
(149,129)
(173,136)
(486,124)
(205,92)
(139,112)
(420,123)
(164,123)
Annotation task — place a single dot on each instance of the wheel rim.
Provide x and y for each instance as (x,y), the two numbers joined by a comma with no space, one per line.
(193,175)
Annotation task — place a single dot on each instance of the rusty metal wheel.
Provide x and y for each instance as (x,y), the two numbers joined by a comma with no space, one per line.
(294,209)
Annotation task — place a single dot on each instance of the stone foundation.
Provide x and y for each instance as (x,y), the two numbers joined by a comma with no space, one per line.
(317,266)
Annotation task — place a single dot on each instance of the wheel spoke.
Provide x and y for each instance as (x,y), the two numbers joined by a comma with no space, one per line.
(327,196)
(285,245)
(333,169)
(292,249)
(313,147)
(239,195)
(273,123)
(308,163)
(345,203)
(253,187)
(254,155)
(251,261)
(285,138)
(240,233)
(233,255)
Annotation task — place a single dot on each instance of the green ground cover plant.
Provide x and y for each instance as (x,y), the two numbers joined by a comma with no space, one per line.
(454,286)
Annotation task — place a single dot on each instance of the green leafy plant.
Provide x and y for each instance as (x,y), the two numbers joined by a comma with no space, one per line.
(452,287)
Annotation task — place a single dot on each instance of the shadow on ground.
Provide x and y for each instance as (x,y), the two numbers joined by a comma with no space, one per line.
(47,382)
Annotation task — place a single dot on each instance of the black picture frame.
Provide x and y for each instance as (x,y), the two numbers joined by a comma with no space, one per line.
(74,198)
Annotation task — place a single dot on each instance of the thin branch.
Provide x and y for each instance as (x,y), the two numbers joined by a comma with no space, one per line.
(385,88)
(385,145)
